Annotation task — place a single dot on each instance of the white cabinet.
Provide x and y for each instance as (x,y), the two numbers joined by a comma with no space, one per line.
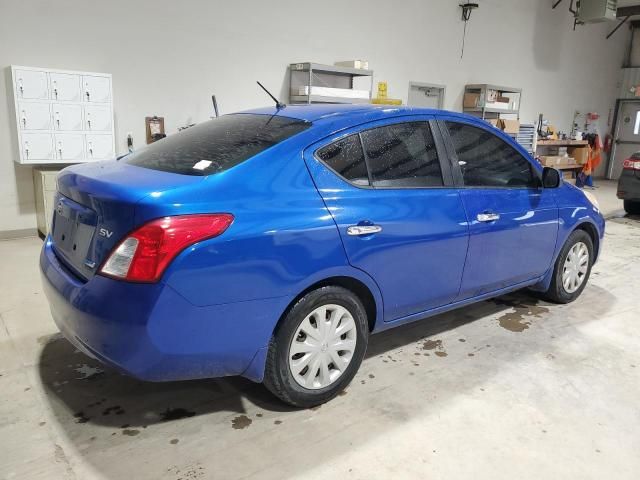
(62,116)
(31,84)
(96,89)
(65,87)
(98,118)
(67,116)
(34,116)
(99,147)
(44,183)
(69,147)
(37,147)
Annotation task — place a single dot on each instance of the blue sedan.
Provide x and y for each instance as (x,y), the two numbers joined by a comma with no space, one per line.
(272,243)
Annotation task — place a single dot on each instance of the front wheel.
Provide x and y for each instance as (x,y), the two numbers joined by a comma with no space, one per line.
(317,348)
(572,268)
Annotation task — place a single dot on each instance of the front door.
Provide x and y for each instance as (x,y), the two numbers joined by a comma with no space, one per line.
(400,219)
(627,140)
(513,222)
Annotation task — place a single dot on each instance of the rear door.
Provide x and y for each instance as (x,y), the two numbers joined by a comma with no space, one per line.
(400,219)
(513,222)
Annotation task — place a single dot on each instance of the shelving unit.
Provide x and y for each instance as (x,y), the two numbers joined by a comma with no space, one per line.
(308,74)
(485,109)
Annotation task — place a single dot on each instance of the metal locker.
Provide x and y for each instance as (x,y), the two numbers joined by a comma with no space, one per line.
(31,84)
(67,116)
(97,118)
(37,147)
(65,87)
(96,89)
(34,116)
(99,147)
(69,147)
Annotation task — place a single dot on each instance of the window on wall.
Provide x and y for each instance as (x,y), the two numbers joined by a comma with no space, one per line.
(402,155)
(488,161)
(346,158)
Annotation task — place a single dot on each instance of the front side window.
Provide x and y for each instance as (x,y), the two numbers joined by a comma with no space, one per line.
(345,157)
(217,145)
(488,161)
(402,155)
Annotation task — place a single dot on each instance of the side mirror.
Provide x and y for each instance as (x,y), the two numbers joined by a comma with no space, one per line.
(550,178)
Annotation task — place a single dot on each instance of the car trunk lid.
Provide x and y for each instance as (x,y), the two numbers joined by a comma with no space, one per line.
(95,208)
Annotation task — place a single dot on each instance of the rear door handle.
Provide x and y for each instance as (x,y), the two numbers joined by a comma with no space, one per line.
(357,230)
(488,217)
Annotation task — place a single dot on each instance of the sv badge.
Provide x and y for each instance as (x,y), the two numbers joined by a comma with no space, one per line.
(103,232)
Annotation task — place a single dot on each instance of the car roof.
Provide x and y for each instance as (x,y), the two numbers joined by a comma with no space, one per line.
(347,112)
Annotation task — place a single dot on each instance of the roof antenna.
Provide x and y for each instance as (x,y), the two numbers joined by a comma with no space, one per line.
(278,104)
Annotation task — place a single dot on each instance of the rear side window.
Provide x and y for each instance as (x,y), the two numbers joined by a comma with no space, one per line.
(488,161)
(217,145)
(402,155)
(345,157)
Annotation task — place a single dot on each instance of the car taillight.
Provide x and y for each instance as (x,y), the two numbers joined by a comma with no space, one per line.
(145,253)
(631,164)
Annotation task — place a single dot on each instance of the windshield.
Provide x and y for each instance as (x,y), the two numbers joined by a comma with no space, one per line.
(217,145)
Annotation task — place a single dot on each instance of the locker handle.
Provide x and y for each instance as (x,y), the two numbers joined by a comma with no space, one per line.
(24,119)
(26,149)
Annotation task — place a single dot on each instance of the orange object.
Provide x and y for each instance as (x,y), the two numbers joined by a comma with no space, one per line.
(595,157)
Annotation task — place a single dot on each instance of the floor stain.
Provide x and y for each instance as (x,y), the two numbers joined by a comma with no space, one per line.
(130,432)
(342,393)
(520,319)
(81,417)
(371,375)
(175,414)
(240,422)
(116,410)
(434,345)
(174,441)
(277,422)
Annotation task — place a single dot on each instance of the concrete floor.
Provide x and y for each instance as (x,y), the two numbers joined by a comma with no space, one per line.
(509,388)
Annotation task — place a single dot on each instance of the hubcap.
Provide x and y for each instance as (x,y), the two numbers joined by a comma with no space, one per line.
(322,347)
(575,267)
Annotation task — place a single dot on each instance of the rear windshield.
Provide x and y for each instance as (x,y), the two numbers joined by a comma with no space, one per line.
(216,145)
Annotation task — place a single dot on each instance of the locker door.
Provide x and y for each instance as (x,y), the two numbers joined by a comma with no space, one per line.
(69,147)
(65,87)
(34,116)
(96,89)
(31,84)
(67,116)
(99,147)
(97,118)
(37,147)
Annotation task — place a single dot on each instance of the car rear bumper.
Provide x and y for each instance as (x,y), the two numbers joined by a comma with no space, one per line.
(151,332)
(629,186)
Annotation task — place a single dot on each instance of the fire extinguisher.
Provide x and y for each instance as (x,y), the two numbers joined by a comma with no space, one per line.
(608,141)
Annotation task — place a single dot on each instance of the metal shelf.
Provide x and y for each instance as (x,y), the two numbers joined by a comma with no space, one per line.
(481,89)
(332,69)
(492,110)
(315,74)
(326,99)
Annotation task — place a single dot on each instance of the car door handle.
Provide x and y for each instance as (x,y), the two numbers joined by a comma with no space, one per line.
(356,230)
(488,217)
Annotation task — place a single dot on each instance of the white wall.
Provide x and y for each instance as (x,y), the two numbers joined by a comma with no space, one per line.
(168,57)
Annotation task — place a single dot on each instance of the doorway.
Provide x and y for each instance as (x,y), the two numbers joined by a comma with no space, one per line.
(627,136)
(426,95)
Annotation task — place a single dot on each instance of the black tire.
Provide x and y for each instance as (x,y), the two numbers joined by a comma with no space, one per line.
(632,207)
(278,377)
(557,292)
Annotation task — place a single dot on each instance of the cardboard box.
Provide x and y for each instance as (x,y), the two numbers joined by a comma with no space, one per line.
(360,64)
(509,126)
(471,100)
(503,99)
(580,154)
(494,121)
(554,160)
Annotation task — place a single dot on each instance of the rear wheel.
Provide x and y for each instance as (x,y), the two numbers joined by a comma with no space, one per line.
(318,347)
(632,207)
(572,269)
